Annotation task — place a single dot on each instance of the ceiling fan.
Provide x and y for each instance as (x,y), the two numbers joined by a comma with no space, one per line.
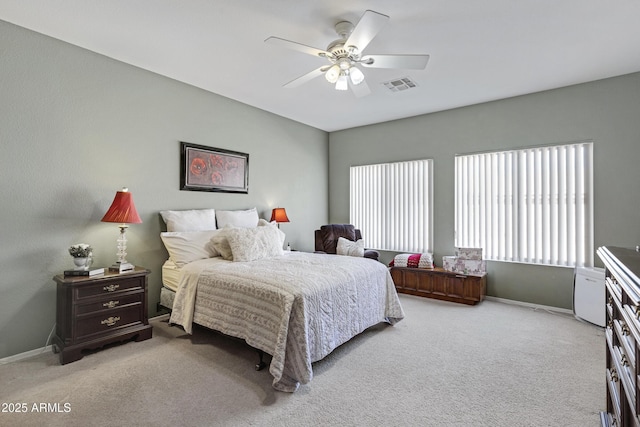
(345,55)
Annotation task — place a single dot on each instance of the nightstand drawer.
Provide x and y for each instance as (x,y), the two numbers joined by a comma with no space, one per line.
(92,312)
(110,287)
(113,302)
(108,321)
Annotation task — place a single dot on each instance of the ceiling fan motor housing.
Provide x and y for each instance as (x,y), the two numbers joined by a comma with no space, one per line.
(337,47)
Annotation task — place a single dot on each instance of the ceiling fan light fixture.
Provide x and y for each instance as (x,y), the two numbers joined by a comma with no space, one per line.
(332,74)
(342,83)
(356,75)
(344,63)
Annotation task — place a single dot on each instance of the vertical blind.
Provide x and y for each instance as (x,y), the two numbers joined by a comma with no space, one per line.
(532,205)
(392,205)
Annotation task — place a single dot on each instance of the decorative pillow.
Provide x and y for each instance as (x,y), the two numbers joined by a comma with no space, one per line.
(245,219)
(220,243)
(347,247)
(190,220)
(188,246)
(250,244)
(274,225)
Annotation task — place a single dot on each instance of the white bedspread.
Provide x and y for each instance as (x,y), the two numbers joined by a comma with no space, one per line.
(297,307)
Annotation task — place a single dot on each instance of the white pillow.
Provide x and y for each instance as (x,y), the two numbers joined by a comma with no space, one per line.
(250,244)
(274,225)
(190,220)
(347,247)
(188,246)
(245,219)
(220,243)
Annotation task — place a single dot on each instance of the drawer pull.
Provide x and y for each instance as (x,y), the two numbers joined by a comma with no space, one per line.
(614,375)
(111,288)
(110,321)
(624,360)
(625,329)
(111,304)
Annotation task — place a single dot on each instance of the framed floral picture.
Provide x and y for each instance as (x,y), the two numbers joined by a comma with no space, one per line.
(213,169)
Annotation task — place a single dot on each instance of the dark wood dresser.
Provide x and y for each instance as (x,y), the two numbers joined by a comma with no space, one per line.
(94,311)
(440,284)
(622,269)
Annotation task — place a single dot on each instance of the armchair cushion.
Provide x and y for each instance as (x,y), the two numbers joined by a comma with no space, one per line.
(326,239)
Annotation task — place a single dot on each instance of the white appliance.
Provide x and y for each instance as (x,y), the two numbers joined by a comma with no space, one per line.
(588,295)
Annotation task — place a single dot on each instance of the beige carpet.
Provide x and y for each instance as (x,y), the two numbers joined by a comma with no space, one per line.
(445,364)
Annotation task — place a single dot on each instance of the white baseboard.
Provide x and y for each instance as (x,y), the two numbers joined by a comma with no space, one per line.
(160,317)
(38,351)
(25,355)
(530,305)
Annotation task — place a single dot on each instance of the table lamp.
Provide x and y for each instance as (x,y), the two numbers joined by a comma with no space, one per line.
(122,211)
(279,215)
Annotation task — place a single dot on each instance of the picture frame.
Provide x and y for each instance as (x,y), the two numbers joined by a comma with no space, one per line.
(205,168)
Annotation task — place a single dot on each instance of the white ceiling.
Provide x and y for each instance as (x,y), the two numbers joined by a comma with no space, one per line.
(480,50)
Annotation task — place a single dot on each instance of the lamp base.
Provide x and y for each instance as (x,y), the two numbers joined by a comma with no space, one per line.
(121,267)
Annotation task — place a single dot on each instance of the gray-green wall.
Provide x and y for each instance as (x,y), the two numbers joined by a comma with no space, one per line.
(607,112)
(75,127)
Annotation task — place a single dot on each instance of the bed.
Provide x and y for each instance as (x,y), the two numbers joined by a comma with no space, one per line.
(296,306)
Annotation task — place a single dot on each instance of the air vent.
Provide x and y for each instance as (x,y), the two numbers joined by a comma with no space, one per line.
(400,85)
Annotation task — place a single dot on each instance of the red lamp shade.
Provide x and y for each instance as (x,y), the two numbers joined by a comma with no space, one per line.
(279,215)
(122,209)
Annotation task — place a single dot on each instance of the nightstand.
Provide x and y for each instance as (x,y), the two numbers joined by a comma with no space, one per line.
(94,311)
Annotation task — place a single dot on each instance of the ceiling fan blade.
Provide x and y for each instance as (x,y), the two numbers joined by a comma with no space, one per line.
(361,89)
(407,62)
(306,77)
(297,46)
(366,29)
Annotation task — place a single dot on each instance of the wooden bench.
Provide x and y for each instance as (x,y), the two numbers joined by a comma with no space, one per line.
(440,284)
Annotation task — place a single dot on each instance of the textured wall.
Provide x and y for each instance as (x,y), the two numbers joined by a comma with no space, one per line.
(605,111)
(75,127)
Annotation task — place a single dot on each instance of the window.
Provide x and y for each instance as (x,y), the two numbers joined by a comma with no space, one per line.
(533,205)
(392,205)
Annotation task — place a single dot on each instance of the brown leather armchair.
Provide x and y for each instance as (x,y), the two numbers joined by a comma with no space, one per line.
(327,239)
